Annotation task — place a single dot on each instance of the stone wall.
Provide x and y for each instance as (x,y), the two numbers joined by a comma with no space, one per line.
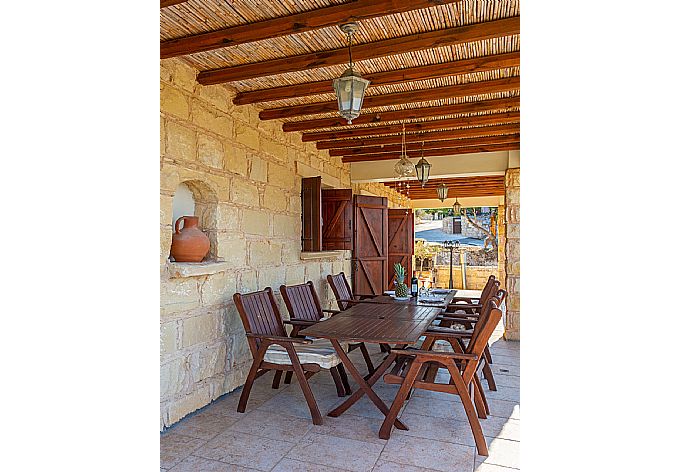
(467,229)
(243,174)
(476,276)
(512,256)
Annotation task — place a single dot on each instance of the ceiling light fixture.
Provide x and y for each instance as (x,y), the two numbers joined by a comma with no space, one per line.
(422,169)
(349,87)
(404,167)
(442,192)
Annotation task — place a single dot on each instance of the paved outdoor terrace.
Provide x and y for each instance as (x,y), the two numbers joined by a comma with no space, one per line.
(276,432)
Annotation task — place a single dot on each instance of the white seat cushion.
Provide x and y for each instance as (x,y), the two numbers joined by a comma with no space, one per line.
(319,352)
(440,345)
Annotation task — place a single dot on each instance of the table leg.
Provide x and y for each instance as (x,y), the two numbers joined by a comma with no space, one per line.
(365,385)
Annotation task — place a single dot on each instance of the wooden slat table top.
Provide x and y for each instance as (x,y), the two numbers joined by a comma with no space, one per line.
(387,299)
(376,323)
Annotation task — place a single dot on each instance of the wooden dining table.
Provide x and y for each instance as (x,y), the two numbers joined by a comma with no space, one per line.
(382,322)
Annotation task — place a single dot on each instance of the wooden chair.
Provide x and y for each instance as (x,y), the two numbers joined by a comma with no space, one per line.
(467,321)
(345,298)
(272,349)
(305,309)
(343,292)
(470,305)
(462,367)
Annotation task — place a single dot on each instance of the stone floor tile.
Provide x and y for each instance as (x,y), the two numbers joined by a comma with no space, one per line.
(352,427)
(499,358)
(445,429)
(227,404)
(175,447)
(501,452)
(199,464)
(335,451)
(484,467)
(504,408)
(427,406)
(437,455)
(504,369)
(504,393)
(292,465)
(503,381)
(204,425)
(273,426)
(387,466)
(247,450)
(293,403)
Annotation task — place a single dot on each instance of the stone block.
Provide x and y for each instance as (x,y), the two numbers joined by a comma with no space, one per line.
(281,176)
(184,76)
(314,272)
(200,329)
(240,350)
(513,250)
(264,253)
(181,142)
(167,67)
(513,196)
(291,251)
(247,136)
(286,226)
(274,149)
(235,159)
(513,177)
(232,323)
(218,288)
(166,210)
(211,120)
(256,222)
(248,281)
(273,278)
(168,338)
(513,231)
(294,275)
(244,193)
(228,217)
(295,204)
(166,241)
(275,199)
(211,151)
(180,408)
(259,169)
(179,295)
(233,249)
(173,102)
(162,135)
(208,362)
(174,376)
(218,96)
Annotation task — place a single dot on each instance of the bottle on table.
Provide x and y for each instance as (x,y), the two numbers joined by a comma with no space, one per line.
(414,284)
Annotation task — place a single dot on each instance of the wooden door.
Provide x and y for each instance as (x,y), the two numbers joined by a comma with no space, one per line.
(337,219)
(311,214)
(400,243)
(370,248)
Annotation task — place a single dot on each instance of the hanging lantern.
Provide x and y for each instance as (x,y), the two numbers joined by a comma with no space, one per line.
(422,168)
(404,167)
(442,192)
(456,207)
(349,87)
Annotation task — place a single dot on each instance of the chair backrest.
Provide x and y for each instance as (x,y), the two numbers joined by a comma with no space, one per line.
(489,290)
(486,323)
(341,289)
(260,314)
(302,301)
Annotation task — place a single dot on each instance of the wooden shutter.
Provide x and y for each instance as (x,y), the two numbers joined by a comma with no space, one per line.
(400,243)
(311,214)
(370,248)
(337,218)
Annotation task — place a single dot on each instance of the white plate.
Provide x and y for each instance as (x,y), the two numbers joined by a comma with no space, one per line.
(389,292)
(402,298)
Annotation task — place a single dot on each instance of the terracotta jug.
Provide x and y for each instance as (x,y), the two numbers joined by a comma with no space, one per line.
(189,244)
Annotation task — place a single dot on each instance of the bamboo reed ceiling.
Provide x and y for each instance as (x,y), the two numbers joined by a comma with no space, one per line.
(449,70)
(459,187)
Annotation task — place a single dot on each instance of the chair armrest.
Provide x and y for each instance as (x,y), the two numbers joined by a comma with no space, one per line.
(448,332)
(363,296)
(432,354)
(464,306)
(465,299)
(299,322)
(333,312)
(279,339)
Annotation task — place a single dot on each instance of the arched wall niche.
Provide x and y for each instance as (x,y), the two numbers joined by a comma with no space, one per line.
(198,198)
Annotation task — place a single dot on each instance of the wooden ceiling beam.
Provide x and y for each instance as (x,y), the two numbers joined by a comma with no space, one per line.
(434,152)
(477,179)
(481,120)
(398,76)
(169,3)
(448,143)
(417,137)
(355,10)
(412,96)
(361,52)
(412,114)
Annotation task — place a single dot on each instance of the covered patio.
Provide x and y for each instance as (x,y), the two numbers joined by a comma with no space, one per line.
(290,186)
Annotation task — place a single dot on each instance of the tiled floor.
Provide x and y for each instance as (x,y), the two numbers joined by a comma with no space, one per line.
(276,432)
